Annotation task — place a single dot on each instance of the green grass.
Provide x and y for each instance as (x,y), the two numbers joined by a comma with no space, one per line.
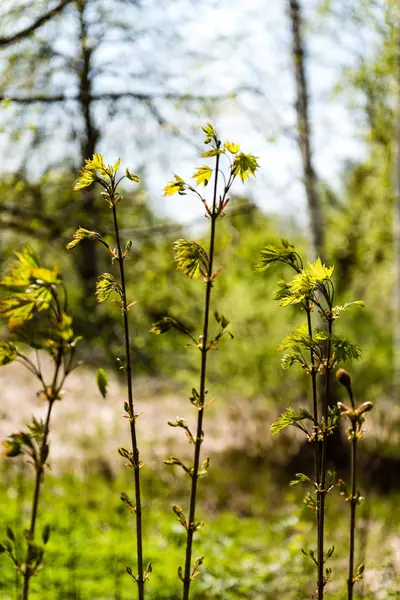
(251,551)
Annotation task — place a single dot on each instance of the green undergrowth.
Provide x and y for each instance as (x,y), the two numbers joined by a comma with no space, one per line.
(252,551)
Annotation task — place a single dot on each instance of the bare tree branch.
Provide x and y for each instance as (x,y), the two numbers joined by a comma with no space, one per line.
(58,98)
(7,41)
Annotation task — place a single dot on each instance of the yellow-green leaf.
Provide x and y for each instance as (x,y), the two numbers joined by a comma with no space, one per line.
(102,382)
(191,258)
(210,153)
(176,186)
(88,174)
(132,177)
(202,175)
(231,147)
(8,352)
(81,234)
(105,285)
(244,165)
(318,271)
(209,130)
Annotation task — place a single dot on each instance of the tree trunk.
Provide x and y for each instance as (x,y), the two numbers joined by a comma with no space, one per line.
(396,232)
(87,256)
(304,132)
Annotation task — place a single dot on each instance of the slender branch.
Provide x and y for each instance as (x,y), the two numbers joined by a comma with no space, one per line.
(94,97)
(133,416)
(314,397)
(353,506)
(322,491)
(39,466)
(27,31)
(203,370)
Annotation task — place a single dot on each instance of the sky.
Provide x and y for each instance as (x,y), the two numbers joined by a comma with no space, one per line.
(265,125)
(219,47)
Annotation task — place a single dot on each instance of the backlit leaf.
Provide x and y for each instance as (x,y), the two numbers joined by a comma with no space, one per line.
(102,382)
(231,147)
(202,175)
(81,234)
(244,165)
(290,417)
(191,258)
(105,285)
(8,352)
(132,177)
(176,186)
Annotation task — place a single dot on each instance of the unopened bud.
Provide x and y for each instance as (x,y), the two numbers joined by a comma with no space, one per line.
(344,378)
(364,407)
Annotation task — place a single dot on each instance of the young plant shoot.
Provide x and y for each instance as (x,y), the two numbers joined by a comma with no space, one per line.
(317,350)
(195,262)
(36,310)
(356,418)
(95,171)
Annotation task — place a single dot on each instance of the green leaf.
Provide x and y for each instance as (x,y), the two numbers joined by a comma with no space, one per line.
(290,417)
(191,259)
(12,446)
(174,460)
(288,360)
(195,398)
(81,234)
(343,349)
(40,275)
(18,309)
(318,272)
(198,562)
(46,534)
(300,478)
(211,153)
(272,254)
(202,175)
(360,570)
(10,534)
(210,133)
(283,291)
(102,382)
(20,273)
(116,166)
(337,310)
(310,553)
(244,165)
(89,172)
(231,147)
(131,177)
(166,323)
(298,337)
(221,320)
(8,353)
(176,186)
(306,282)
(106,285)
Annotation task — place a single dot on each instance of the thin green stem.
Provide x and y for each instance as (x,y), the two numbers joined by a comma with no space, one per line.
(35,505)
(322,491)
(133,416)
(52,394)
(187,579)
(314,400)
(353,507)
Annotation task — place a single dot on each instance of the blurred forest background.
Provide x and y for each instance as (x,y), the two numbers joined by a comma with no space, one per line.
(313,89)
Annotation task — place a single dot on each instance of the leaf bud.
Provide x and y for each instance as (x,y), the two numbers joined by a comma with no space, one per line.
(344,378)
(364,407)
